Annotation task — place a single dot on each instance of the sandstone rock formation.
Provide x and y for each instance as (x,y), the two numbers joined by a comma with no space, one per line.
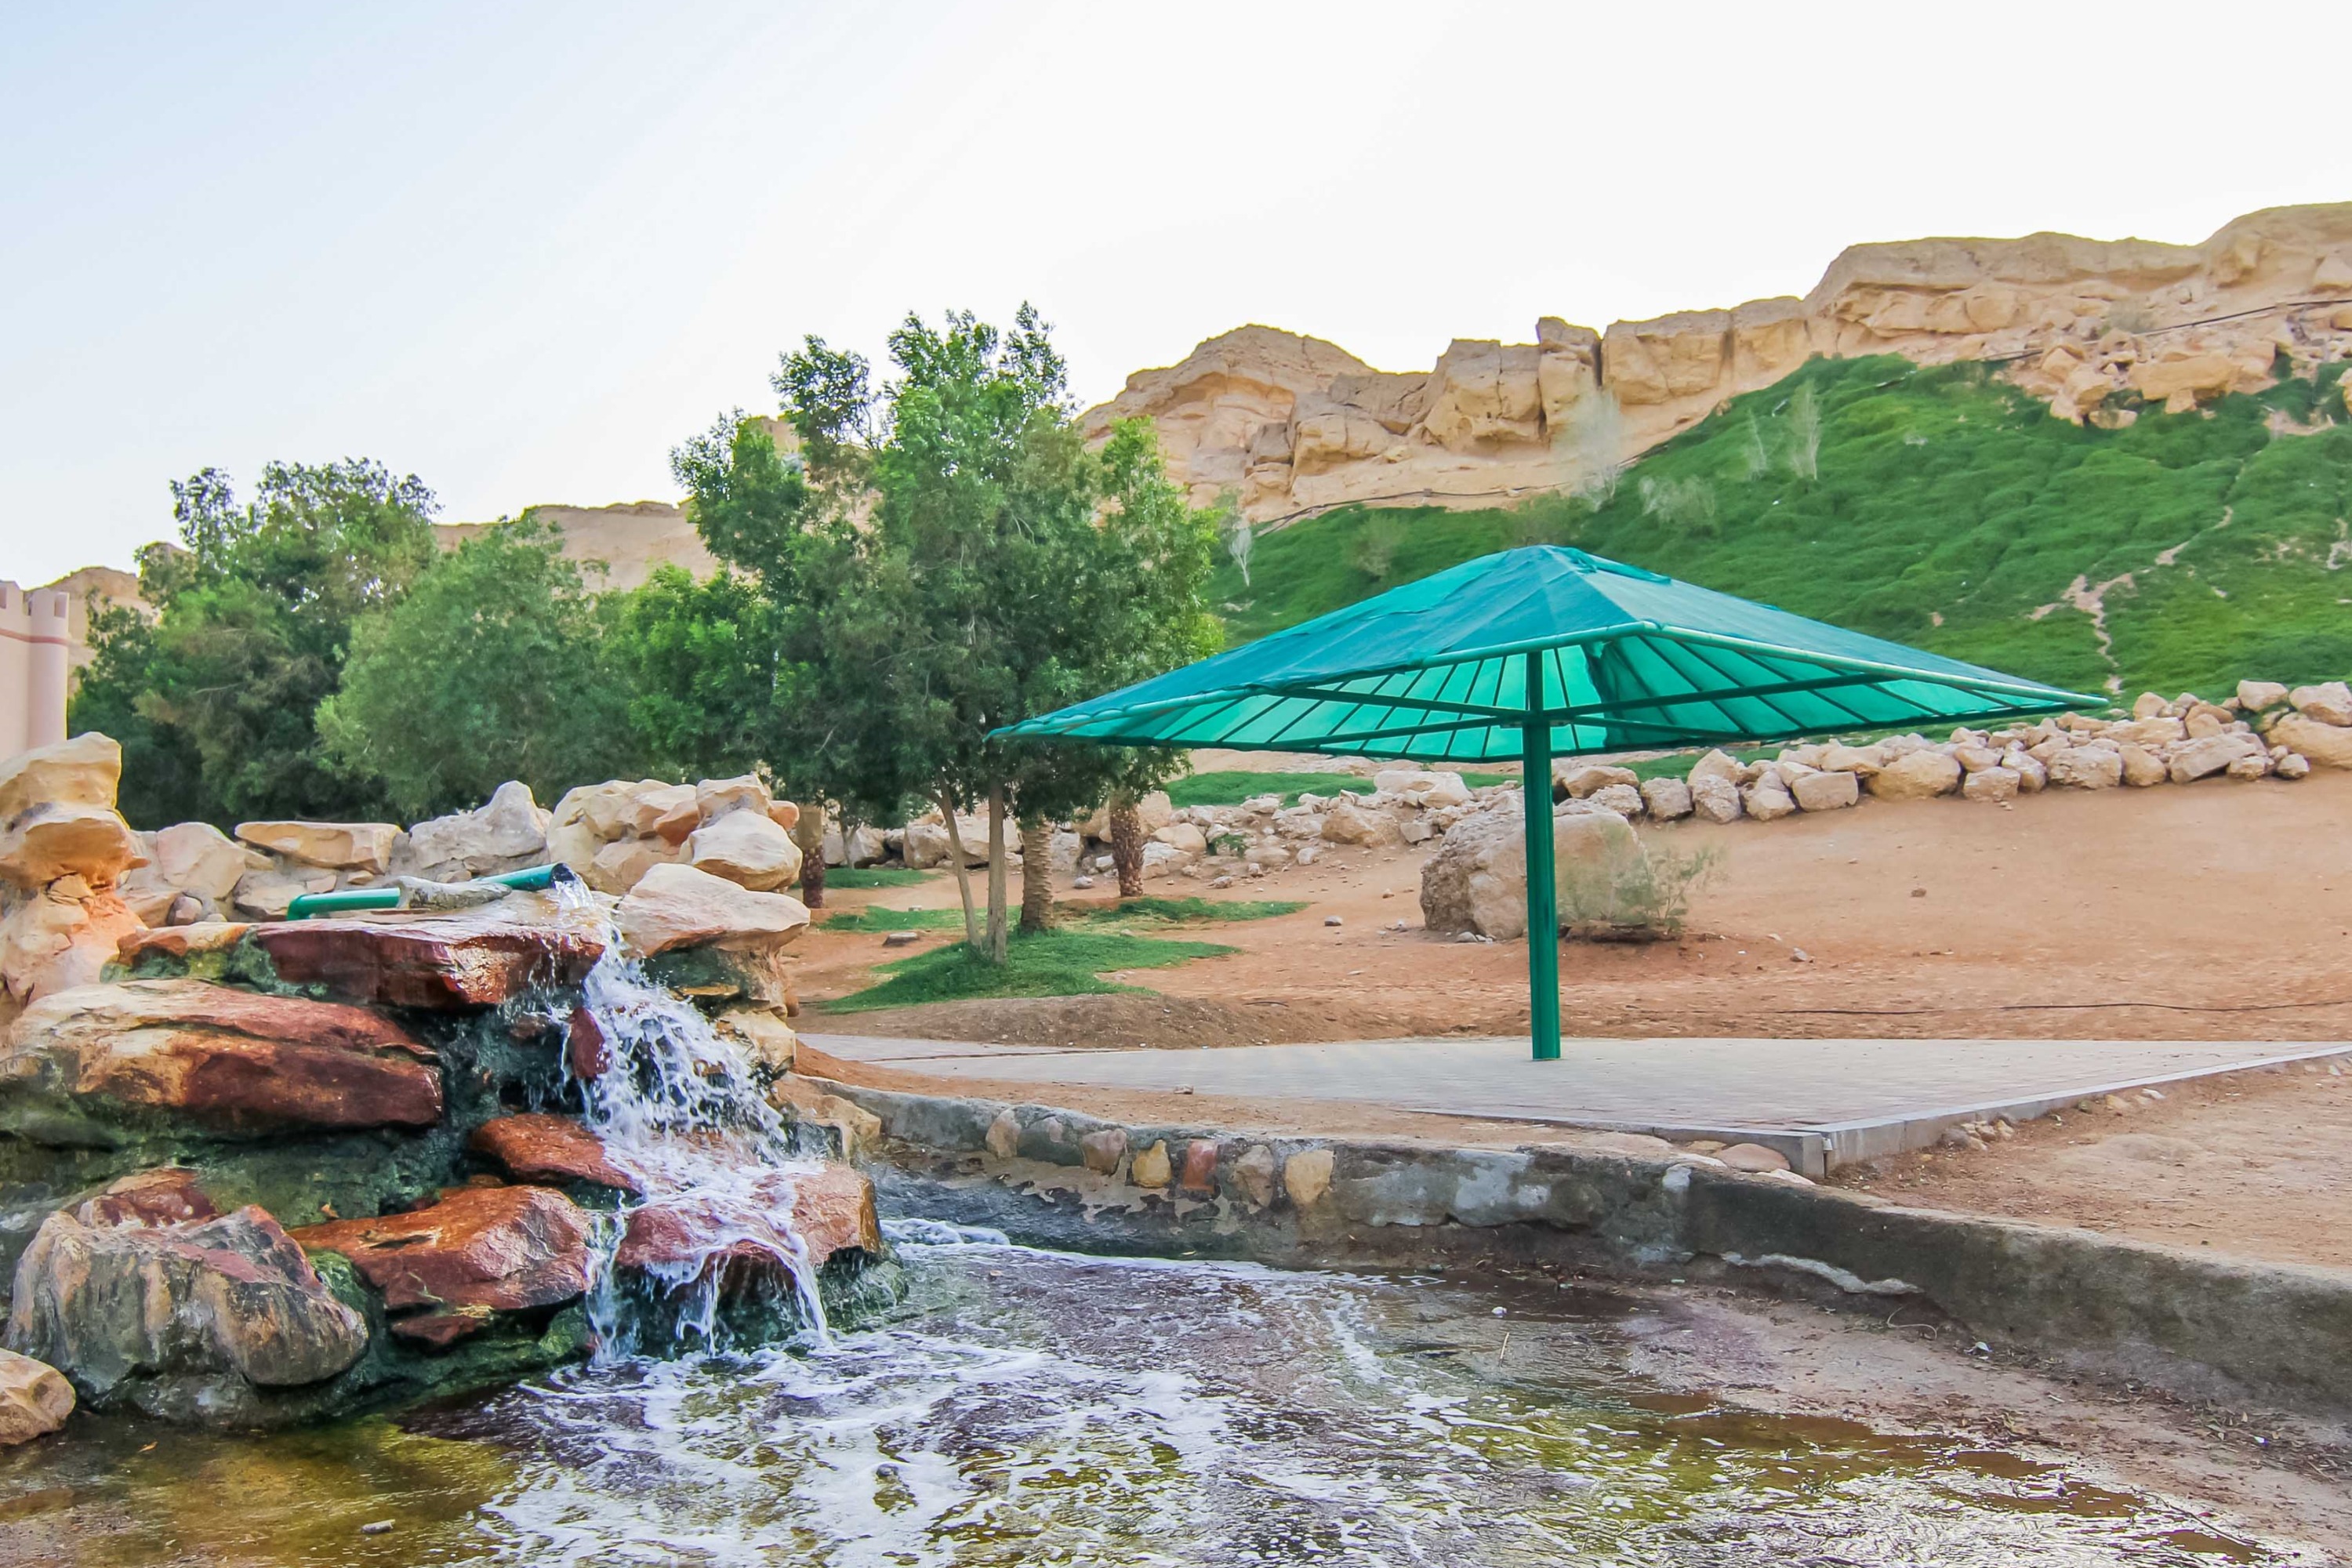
(478,1251)
(1288,424)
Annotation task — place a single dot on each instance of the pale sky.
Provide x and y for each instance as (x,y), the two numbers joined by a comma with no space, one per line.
(523,249)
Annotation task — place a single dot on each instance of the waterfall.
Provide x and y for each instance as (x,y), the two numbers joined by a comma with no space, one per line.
(681,1111)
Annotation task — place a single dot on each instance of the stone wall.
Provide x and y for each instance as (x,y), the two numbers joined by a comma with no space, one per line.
(2196,1325)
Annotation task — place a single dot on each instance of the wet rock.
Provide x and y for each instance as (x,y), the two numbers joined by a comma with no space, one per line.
(1150,1167)
(1752,1157)
(102,1061)
(857,1131)
(763,1036)
(460,958)
(479,1250)
(1199,1172)
(1003,1138)
(188,1321)
(1102,1150)
(35,1399)
(167,1196)
(336,846)
(1307,1176)
(692,1235)
(585,1052)
(1253,1174)
(536,1147)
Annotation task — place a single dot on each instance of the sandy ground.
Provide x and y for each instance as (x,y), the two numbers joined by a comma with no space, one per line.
(2219,910)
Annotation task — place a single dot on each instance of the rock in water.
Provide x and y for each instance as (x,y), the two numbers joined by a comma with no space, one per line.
(537,1147)
(690,1236)
(35,1399)
(478,1251)
(104,1062)
(186,1321)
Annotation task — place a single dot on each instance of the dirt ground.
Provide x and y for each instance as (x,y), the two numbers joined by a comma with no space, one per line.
(2218,910)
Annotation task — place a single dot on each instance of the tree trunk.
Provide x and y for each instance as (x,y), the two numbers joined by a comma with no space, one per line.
(1127,845)
(1036,875)
(997,938)
(808,836)
(962,873)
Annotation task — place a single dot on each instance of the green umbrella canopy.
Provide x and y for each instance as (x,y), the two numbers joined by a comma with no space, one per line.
(1437,670)
(1544,652)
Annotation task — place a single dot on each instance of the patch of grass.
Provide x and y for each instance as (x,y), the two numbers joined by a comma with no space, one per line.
(1942,508)
(873,877)
(1052,963)
(1232,786)
(874,919)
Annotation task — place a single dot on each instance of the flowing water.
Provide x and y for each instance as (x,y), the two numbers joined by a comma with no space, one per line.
(678,1108)
(1032,1407)
(1028,1407)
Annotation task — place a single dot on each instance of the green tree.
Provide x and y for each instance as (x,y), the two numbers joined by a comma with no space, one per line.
(214,701)
(491,668)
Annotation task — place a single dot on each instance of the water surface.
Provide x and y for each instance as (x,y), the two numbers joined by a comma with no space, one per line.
(1030,1407)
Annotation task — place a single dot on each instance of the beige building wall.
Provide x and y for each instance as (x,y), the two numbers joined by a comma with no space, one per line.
(35,638)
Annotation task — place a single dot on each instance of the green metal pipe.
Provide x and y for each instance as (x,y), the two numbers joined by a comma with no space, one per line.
(345,900)
(1543,897)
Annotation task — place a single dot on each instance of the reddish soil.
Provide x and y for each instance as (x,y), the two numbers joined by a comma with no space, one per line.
(2219,910)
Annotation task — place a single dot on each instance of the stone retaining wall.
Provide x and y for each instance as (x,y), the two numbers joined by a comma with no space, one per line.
(2197,1326)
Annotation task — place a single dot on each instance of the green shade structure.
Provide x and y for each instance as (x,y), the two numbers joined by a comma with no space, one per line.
(1547,652)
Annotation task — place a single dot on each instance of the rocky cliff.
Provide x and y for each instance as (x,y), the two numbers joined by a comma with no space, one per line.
(2097,329)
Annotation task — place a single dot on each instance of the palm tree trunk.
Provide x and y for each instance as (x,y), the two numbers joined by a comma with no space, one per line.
(808,836)
(997,938)
(1036,875)
(1127,845)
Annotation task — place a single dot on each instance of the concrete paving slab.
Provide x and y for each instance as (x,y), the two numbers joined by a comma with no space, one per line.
(1821,1102)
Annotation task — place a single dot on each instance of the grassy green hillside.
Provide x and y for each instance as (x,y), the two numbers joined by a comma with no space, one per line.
(1945,510)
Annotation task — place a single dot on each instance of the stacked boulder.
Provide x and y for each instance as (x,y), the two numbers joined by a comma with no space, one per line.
(264,1173)
(63,853)
(613,832)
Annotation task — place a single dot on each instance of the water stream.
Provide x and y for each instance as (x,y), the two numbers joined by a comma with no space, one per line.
(678,1108)
(1030,1408)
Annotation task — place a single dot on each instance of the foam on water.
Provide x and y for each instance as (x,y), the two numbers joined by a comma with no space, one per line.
(1039,1407)
(680,1108)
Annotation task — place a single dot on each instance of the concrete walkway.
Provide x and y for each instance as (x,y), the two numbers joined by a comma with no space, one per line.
(1824,1103)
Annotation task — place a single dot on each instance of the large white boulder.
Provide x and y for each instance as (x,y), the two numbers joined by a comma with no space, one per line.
(2085,767)
(1826,791)
(507,832)
(2193,759)
(2328,745)
(82,771)
(676,905)
(337,846)
(1918,774)
(2329,704)
(1667,799)
(1715,796)
(746,847)
(1478,880)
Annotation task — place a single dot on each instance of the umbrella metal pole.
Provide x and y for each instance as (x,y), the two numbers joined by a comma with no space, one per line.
(1543,902)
